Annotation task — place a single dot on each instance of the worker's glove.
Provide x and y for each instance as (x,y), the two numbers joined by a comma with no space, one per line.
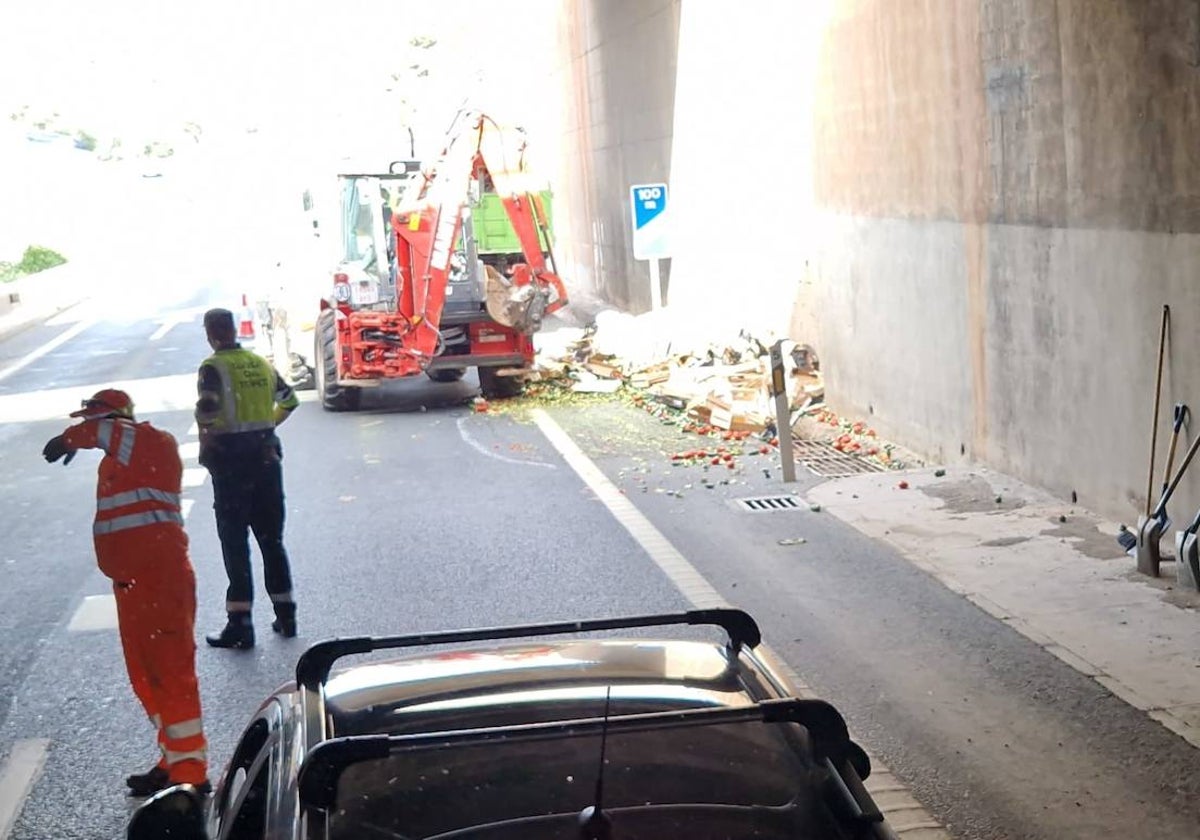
(56,448)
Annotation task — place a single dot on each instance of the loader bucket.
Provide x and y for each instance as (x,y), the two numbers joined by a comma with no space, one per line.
(518,307)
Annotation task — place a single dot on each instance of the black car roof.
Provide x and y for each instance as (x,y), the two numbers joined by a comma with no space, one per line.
(361,700)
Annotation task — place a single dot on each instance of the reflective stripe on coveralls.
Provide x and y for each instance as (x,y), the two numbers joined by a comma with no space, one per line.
(128,436)
(141,494)
(136,520)
(185,729)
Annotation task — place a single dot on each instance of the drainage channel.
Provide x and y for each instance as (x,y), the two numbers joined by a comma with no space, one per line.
(769,504)
(823,460)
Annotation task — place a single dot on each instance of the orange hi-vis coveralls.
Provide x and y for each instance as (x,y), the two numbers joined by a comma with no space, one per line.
(140,544)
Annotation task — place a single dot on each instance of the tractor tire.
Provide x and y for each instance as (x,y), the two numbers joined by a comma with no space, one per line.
(446,374)
(333,396)
(496,387)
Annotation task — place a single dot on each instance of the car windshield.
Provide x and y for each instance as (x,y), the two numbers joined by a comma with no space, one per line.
(536,788)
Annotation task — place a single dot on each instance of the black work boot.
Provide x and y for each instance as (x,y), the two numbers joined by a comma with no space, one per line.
(147,784)
(153,779)
(238,633)
(285,620)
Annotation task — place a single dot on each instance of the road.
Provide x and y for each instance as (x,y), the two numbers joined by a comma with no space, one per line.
(418,513)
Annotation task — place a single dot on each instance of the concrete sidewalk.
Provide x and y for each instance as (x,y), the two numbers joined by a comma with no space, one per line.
(1050,570)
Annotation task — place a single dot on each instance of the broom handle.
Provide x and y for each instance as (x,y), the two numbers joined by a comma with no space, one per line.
(1187,459)
(1162,342)
(1178,424)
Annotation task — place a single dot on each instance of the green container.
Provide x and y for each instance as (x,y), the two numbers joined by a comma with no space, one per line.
(494,233)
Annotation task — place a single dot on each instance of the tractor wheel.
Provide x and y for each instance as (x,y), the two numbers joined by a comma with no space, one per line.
(494,386)
(446,374)
(333,396)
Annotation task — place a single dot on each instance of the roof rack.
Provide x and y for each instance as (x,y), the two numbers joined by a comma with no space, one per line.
(846,762)
(312,670)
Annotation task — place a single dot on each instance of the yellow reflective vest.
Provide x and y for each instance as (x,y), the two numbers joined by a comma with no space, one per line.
(242,396)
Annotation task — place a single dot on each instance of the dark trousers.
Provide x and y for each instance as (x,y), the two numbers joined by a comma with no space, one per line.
(249,497)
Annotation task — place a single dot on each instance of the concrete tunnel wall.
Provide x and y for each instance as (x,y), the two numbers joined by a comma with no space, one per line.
(611,106)
(1007,193)
(974,209)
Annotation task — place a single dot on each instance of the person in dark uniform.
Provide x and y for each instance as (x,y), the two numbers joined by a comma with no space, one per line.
(242,399)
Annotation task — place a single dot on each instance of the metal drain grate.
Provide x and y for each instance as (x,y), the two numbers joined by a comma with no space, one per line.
(769,504)
(823,460)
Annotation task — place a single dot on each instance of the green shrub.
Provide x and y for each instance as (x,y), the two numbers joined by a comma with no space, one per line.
(8,272)
(36,258)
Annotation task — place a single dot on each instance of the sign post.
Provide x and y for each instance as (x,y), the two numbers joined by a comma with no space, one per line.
(650,233)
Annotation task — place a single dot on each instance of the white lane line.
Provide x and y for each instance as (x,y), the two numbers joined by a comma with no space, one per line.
(48,347)
(21,771)
(191,450)
(904,811)
(684,575)
(483,450)
(194,476)
(185,507)
(97,612)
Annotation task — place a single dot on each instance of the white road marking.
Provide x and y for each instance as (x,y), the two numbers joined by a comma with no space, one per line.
(153,395)
(906,814)
(482,449)
(681,572)
(194,476)
(189,450)
(48,347)
(185,507)
(21,771)
(163,330)
(97,612)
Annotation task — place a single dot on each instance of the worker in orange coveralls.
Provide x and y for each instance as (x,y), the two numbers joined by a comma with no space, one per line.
(140,544)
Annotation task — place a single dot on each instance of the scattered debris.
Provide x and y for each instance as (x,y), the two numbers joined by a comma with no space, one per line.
(939,473)
(903,485)
(793,541)
(814,507)
(717,392)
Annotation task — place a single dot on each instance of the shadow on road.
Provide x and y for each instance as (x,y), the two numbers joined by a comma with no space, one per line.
(418,394)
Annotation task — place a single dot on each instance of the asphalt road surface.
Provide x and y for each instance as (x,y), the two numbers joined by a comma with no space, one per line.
(418,513)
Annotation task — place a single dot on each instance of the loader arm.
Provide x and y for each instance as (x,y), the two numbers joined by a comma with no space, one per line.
(427,230)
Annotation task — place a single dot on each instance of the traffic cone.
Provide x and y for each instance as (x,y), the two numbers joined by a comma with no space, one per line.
(246,326)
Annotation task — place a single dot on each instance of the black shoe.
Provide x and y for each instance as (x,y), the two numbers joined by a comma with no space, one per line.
(154,776)
(238,634)
(151,786)
(150,783)
(285,627)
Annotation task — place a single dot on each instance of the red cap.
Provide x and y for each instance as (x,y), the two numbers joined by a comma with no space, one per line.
(104,403)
